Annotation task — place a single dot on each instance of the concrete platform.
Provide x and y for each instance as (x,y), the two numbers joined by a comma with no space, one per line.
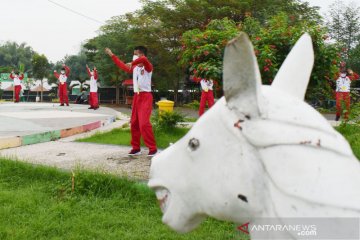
(29,123)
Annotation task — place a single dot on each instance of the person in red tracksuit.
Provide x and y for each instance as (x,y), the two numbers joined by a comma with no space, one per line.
(17,84)
(142,70)
(63,76)
(343,90)
(207,95)
(93,98)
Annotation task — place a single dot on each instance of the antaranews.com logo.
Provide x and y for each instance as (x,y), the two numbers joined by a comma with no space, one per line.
(302,228)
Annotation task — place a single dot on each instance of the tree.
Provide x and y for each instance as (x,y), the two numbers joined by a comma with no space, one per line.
(343,22)
(159,25)
(77,65)
(40,68)
(13,54)
(203,50)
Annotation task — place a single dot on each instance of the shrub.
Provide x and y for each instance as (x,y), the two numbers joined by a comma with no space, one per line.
(166,120)
(193,105)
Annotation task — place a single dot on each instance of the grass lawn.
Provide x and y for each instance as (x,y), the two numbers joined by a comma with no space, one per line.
(121,136)
(38,203)
(352,133)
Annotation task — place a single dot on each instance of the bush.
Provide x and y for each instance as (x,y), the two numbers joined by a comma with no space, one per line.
(166,120)
(193,105)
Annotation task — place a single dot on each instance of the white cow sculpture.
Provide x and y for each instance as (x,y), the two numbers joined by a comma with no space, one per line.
(259,152)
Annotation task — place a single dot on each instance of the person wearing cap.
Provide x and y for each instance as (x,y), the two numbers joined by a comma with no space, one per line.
(141,69)
(342,94)
(207,95)
(93,98)
(62,77)
(17,84)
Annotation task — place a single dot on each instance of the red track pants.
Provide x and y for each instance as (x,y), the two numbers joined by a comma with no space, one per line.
(17,93)
(342,96)
(140,121)
(206,97)
(93,100)
(63,94)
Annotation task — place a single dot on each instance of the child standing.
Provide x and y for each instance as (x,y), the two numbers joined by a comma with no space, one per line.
(62,77)
(141,68)
(93,98)
(207,95)
(17,84)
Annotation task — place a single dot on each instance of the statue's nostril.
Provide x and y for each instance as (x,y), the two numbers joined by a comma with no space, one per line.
(194,144)
(242,197)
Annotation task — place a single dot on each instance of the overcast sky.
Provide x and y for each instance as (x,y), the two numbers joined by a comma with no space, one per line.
(55,32)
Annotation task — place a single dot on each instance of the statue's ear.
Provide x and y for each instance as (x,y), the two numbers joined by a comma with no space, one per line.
(242,79)
(294,74)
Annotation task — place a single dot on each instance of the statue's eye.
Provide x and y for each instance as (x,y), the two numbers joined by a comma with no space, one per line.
(194,144)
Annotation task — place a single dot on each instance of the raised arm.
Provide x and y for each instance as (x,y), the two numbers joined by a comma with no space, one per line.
(354,76)
(21,77)
(148,66)
(56,74)
(121,64)
(95,74)
(11,74)
(88,70)
(67,71)
(118,62)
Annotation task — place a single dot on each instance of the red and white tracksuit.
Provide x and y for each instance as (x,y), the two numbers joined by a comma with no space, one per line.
(63,94)
(343,94)
(17,85)
(207,95)
(93,98)
(142,102)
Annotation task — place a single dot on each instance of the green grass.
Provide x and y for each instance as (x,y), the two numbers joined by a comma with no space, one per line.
(122,136)
(38,203)
(352,133)
(190,119)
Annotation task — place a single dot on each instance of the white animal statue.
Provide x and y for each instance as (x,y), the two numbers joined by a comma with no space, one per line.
(259,152)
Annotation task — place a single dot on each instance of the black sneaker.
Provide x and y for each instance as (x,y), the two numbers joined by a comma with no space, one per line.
(61,105)
(134,152)
(90,108)
(337,118)
(152,153)
(67,104)
(96,108)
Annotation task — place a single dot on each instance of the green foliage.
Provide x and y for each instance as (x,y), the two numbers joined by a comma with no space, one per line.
(352,133)
(13,55)
(343,22)
(203,50)
(159,25)
(354,112)
(39,203)
(165,120)
(122,136)
(41,66)
(77,64)
(193,105)
(21,67)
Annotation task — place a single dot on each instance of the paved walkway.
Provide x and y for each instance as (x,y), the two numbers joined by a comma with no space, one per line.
(66,153)
(28,118)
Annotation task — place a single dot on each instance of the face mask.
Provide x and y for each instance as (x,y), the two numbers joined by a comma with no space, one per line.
(343,75)
(62,72)
(135,57)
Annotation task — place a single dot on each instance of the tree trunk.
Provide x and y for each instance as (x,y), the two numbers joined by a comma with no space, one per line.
(41,94)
